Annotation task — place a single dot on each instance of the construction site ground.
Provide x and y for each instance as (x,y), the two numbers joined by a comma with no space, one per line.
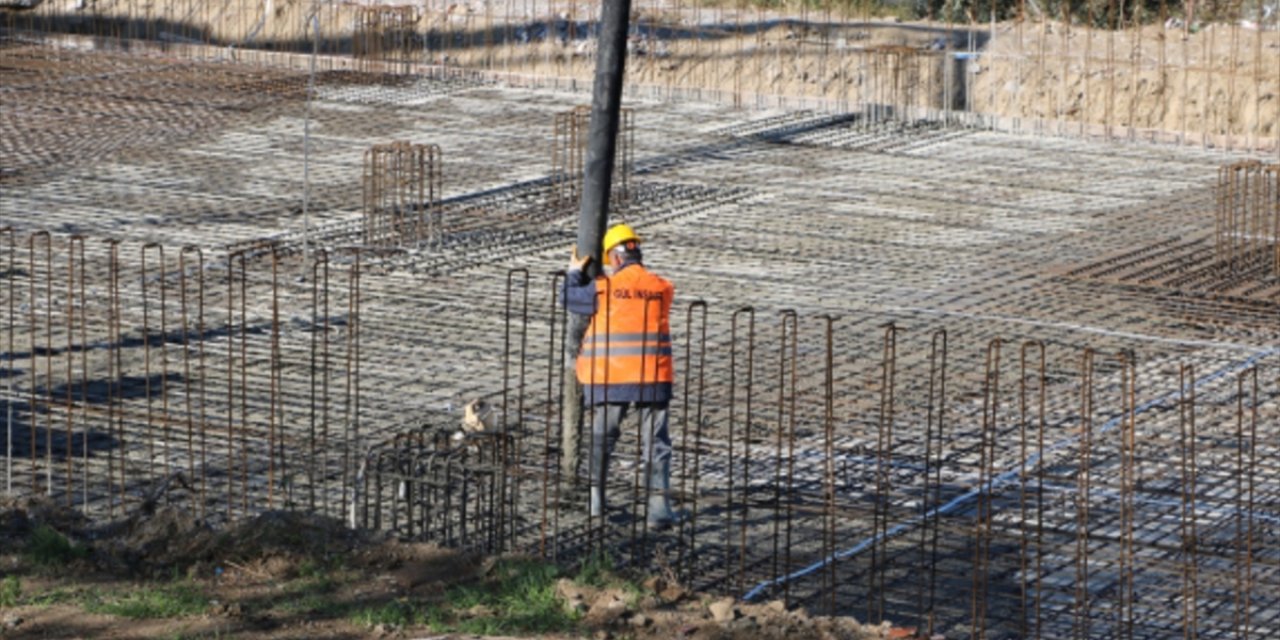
(1072,243)
(280,575)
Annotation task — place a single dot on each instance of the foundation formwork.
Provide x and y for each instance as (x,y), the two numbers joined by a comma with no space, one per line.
(941,376)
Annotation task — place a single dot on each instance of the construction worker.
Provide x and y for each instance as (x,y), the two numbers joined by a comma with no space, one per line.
(625,362)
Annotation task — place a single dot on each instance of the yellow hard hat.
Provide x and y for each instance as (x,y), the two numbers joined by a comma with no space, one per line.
(618,234)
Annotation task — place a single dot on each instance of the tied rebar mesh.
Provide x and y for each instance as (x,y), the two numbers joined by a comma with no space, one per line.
(835,464)
(402,192)
(1088,69)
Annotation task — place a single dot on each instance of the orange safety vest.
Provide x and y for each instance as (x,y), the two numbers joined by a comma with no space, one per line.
(629,339)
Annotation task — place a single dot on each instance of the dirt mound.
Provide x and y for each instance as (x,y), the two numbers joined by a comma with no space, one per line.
(20,516)
(167,539)
(288,532)
(274,543)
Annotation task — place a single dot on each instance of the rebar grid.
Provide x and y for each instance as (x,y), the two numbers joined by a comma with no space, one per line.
(1131,73)
(894,432)
(833,460)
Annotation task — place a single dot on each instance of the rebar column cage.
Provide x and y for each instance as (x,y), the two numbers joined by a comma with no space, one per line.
(425,484)
(896,88)
(569,151)
(402,192)
(1247,231)
(384,35)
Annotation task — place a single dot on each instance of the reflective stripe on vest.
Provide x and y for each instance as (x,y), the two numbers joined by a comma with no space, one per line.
(629,339)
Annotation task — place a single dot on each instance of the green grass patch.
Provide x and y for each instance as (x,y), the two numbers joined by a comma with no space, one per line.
(168,601)
(57,595)
(47,548)
(317,568)
(598,571)
(397,613)
(519,597)
(311,594)
(10,591)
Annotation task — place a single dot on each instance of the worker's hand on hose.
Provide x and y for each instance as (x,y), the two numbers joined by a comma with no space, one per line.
(576,263)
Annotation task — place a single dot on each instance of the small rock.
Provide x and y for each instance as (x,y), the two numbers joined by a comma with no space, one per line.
(723,610)
(605,611)
(12,621)
(603,634)
(776,606)
(673,593)
(570,591)
(641,620)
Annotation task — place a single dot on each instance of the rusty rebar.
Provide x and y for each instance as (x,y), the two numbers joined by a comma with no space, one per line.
(986,473)
(231,360)
(11,276)
(1082,602)
(934,455)
(509,498)
(1190,543)
(320,328)
(48,349)
(1246,480)
(829,453)
(73,243)
(1247,224)
(787,354)
(146,341)
(1028,629)
(750,312)
(687,570)
(1128,445)
(273,371)
(883,482)
(186,363)
(351,410)
(569,140)
(115,369)
(556,318)
(383,37)
(402,188)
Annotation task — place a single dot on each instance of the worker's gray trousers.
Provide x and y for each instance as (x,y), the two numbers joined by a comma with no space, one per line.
(606,428)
